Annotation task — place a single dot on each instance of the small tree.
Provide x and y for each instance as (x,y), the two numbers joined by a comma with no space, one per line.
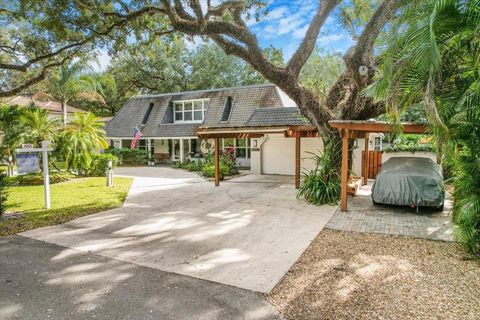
(3,193)
(81,140)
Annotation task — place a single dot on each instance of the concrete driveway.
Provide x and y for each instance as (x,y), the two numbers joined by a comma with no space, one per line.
(246,233)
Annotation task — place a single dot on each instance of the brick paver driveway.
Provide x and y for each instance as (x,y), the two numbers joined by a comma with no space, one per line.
(364,216)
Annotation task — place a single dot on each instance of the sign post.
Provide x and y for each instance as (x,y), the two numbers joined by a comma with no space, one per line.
(46,179)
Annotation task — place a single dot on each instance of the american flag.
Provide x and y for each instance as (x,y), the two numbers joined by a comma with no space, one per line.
(137,134)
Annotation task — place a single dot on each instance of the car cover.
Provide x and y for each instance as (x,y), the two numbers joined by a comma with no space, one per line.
(409,181)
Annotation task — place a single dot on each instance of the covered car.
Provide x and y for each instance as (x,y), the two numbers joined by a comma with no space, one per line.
(409,181)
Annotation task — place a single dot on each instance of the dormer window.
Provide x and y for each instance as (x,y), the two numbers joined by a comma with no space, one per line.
(228,109)
(190,111)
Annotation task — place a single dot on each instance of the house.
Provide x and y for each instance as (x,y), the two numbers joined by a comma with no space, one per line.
(170,124)
(54,108)
(261,122)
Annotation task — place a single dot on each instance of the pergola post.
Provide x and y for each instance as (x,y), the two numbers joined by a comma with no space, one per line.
(297,162)
(366,165)
(345,137)
(217,162)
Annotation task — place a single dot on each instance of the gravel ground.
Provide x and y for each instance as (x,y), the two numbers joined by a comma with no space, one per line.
(346,275)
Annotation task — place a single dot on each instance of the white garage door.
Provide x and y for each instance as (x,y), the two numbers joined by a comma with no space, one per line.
(278,155)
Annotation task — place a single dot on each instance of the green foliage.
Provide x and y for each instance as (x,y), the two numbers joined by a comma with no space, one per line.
(81,140)
(128,156)
(69,200)
(195,166)
(322,184)
(329,65)
(430,58)
(3,193)
(12,129)
(409,143)
(38,125)
(227,165)
(35,179)
(208,170)
(99,165)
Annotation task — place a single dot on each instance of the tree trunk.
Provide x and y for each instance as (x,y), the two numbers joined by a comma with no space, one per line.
(64,112)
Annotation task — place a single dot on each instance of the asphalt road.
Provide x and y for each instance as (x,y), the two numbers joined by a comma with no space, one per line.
(40,280)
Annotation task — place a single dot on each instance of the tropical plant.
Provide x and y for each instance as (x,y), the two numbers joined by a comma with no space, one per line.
(431,57)
(70,82)
(39,126)
(321,185)
(81,140)
(12,129)
(128,156)
(100,162)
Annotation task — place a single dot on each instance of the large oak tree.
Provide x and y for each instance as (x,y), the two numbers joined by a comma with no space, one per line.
(74,24)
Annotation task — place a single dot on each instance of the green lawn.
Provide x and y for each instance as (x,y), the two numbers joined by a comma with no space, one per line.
(69,200)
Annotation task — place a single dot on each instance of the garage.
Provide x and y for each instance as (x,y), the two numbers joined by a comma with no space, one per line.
(278,154)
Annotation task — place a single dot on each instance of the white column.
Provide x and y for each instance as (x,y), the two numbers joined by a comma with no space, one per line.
(46,178)
(181,150)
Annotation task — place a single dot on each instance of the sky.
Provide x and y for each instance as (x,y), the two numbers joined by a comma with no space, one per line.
(284,27)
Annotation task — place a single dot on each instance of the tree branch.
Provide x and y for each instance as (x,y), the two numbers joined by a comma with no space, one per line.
(309,41)
(42,75)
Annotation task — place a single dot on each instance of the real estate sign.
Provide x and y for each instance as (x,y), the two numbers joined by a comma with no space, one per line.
(27,163)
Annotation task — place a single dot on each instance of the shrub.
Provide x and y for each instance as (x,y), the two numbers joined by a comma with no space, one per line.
(99,164)
(196,165)
(208,170)
(129,156)
(3,193)
(322,184)
(34,179)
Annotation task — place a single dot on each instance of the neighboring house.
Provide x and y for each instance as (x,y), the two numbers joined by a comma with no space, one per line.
(54,108)
(169,124)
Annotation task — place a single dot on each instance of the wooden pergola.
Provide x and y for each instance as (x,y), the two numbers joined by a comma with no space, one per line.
(296,132)
(351,129)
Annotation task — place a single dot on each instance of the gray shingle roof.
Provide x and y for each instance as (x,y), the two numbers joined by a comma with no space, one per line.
(248,103)
(276,117)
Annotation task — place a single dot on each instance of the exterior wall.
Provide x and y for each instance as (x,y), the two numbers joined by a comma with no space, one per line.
(160,146)
(275,154)
(357,155)
(418,154)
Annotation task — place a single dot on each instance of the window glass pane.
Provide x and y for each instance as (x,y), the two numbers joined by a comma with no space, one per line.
(198,105)
(187,106)
(198,115)
(178,116)
(228,143)
(241,153)
(241,143)
(178,106)
(187,116)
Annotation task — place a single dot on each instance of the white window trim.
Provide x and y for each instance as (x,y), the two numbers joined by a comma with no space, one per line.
(204,110)
(247,147)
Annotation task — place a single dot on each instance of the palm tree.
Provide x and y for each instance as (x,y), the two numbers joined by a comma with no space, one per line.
(12,129)
(71,82)
(39,126)
(432,57)
(81,140)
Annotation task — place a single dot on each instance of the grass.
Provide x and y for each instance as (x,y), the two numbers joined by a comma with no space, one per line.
(69,200)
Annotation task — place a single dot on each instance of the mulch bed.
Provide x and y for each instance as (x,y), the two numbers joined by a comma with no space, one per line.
(346,275)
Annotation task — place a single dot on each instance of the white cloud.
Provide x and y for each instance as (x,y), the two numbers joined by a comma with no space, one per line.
(300,33)
(103,60)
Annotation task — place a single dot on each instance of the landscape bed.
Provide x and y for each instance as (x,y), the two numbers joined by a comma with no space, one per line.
(347,275)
